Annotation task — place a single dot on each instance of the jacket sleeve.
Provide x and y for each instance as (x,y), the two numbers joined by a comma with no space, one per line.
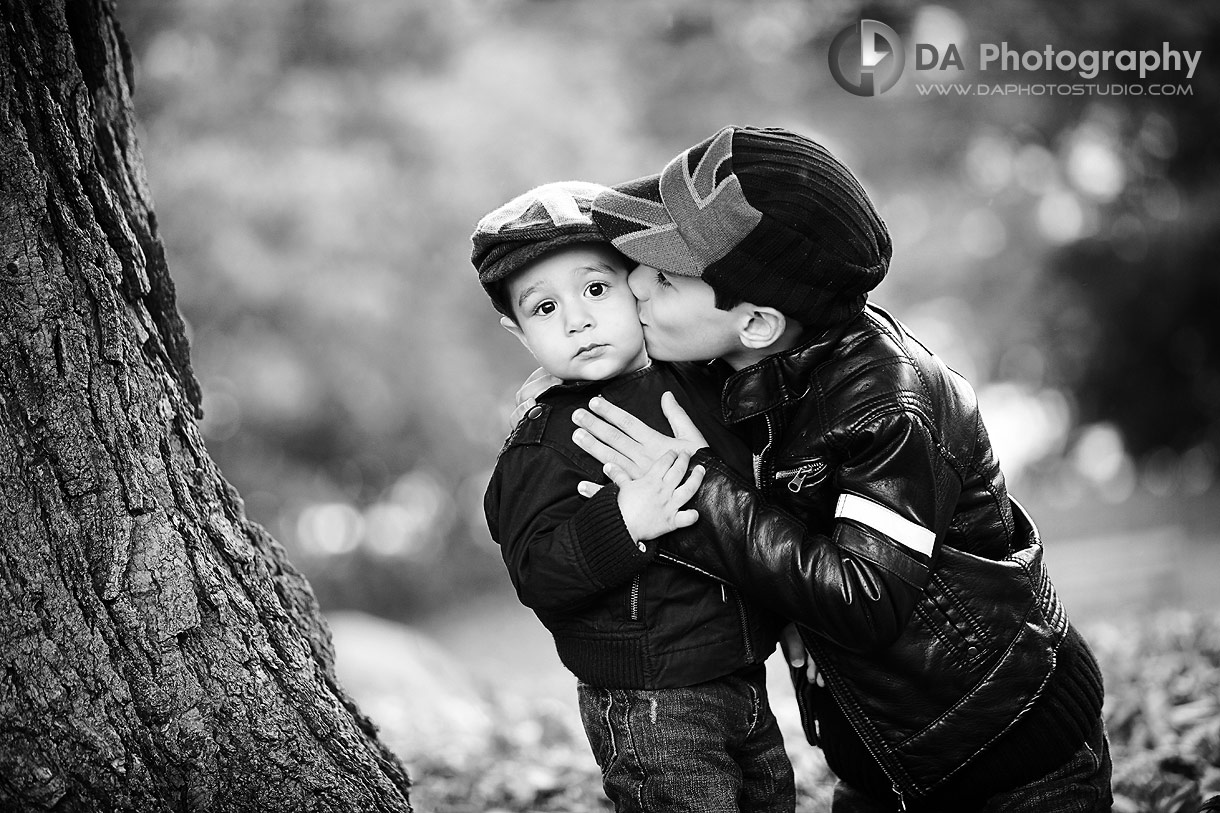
(855,582)
(560,548)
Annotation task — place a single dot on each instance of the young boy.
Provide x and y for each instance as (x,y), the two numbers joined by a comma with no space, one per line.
(670,662)
(877,516)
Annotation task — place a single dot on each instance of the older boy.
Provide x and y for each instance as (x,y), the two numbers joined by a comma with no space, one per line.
(877,515)
(670,661)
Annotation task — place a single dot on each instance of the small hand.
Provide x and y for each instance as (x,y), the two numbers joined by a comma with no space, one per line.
(615,436)
(651,505)
(538,382)
(797,656)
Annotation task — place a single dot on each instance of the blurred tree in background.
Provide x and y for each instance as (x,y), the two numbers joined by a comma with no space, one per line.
(318,167)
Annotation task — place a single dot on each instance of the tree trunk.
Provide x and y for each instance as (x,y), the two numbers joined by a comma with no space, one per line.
(158,652)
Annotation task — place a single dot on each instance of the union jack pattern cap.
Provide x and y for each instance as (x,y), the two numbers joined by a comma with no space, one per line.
(766,215)
(533,224)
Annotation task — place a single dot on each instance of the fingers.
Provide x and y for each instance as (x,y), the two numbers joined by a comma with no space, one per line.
(603,453)
(792,645)
(679,422)
(684,492)
(587,489)
(606,433)
(672,466)
(616,474)
(630,425)
(686,518)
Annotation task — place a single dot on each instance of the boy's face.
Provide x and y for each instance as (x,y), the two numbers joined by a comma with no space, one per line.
(680,317)
(576,314)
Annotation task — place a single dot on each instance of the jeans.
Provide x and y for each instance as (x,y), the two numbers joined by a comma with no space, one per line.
(710,748)
(1080,785)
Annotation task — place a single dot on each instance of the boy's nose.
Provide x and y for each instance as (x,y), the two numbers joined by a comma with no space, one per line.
(637,281)
(578,320)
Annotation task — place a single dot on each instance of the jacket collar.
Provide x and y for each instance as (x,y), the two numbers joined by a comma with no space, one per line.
(780,377)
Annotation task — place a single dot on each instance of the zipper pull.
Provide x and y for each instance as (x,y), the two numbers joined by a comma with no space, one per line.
(902,802)
(798,478)
(724,595)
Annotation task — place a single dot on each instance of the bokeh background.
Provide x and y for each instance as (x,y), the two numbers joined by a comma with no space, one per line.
(318,165)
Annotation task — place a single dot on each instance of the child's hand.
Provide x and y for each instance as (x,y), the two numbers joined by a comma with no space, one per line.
(797,656)
(652,504)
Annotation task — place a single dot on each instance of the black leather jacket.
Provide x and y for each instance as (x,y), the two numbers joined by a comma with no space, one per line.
(878,519)
(621,616)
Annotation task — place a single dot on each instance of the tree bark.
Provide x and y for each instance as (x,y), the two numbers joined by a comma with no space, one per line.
(158,651)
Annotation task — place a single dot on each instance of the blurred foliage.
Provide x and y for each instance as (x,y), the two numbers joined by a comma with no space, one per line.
(318,167)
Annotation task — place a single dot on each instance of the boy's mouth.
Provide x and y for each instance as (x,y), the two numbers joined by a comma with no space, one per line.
(590,350)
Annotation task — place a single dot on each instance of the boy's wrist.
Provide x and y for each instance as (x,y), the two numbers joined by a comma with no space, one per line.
(607,546)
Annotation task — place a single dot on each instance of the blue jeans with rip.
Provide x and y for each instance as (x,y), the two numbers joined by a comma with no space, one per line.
(1080,785)
(710,748)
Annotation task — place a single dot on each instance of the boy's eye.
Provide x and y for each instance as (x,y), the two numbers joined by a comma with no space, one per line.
(661,281)
(596,289)
(545,307)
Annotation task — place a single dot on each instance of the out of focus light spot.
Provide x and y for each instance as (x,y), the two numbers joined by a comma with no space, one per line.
(1094,166)
(1025,424)
(173,57)
(943,325)
(1158,137)
(907,217)
(1034,168)
(774,30)
(1025,363)
(1198,470)
(989,163)
(330,528)
(939,27)
(1100,457)
(1060,216)
(982,234)
(413,519)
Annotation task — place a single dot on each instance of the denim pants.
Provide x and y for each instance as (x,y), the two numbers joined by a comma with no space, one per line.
(1080,785)
(710,748)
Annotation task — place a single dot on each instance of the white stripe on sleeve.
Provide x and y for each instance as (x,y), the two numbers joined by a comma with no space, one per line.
(882,519)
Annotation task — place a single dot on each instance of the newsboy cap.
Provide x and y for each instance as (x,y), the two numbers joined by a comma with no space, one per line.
(766,215)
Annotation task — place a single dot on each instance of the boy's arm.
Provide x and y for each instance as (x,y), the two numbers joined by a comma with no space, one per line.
(858,581)
(561,549)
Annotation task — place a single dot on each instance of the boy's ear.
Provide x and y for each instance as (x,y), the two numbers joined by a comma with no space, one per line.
(762,327)
(513,328)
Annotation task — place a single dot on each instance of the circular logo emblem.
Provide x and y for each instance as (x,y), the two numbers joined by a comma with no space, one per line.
(867,58)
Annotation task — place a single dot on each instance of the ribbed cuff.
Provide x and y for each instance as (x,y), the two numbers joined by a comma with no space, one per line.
(610,553)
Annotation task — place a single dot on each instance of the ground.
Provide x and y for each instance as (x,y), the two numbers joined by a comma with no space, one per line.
(480,709)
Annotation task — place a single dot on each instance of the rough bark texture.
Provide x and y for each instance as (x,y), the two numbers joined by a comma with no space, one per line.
(157,651)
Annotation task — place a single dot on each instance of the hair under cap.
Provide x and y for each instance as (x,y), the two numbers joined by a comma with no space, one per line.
(766,215)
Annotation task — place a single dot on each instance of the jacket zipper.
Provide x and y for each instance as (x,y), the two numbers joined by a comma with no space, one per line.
(745,625)
(635,598)
(902,802)
(798,476)
(758,457)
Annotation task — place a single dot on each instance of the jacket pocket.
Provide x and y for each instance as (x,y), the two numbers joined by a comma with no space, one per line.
(798,474)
